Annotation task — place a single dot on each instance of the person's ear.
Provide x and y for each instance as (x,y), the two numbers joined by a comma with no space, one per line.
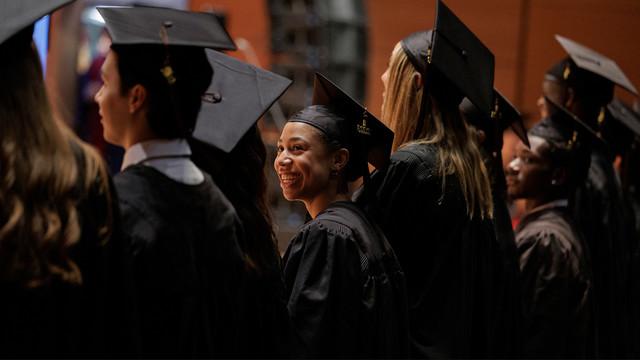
(137,98)
(340,159)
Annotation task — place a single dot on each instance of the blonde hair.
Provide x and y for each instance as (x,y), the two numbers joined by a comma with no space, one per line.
(39,177)
(458,151)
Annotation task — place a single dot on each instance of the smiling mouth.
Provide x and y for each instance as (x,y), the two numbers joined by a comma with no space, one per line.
(288,179)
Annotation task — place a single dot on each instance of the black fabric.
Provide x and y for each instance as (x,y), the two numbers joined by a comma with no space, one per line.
(416,46)
(556,285)
(18,15)
(188,268)
(369,138)
(590,61)
(94,319)
(462,58)
(266,330)
(453,264)
(604,216)
(346,289)
(239,94)
(507,338)
(143,25)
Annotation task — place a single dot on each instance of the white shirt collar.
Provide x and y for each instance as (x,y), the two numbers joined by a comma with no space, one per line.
(170,157)
(153,149)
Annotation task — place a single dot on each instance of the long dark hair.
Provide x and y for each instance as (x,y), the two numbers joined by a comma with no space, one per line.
(241,177)
(38,176)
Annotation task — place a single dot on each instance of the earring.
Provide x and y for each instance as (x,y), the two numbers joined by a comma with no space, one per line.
(553,182)
(334,173)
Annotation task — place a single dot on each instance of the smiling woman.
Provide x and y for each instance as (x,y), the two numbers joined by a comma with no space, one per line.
(308,166)
(345,288)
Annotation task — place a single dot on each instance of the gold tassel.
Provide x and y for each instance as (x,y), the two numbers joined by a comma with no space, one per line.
(363,128)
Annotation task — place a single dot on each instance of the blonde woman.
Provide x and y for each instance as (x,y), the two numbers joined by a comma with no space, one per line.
(61,274)
(434,201)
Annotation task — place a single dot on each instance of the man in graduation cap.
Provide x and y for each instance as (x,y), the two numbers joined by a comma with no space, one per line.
(584,83)
(556,278)
(346,294)
(182,231)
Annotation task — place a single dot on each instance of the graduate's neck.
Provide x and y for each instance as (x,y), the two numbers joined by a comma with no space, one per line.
(319,203)
(138,132)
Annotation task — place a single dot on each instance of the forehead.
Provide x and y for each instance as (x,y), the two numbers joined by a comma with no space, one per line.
(294,130)
(110,63)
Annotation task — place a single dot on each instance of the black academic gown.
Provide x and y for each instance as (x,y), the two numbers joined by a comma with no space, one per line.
(507,337)
(93,319)
(604,219)
(188,268)
(452,263)
(556,284)
(346,289)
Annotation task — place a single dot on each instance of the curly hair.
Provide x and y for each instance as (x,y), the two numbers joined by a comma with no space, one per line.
(40,182)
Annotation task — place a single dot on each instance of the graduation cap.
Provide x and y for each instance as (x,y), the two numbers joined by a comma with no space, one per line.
(571,126)
(239,94)
(17,15)
(462,58)
(625,115)
(594,62)
(370,140)
(508,116)
(502,116)
(161,26)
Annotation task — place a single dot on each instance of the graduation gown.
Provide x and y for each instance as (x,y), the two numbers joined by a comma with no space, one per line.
(266,328)
(93,319)
(605,220)
(452,263)
(346,289)
(507,337)
(556,284)
(188,268)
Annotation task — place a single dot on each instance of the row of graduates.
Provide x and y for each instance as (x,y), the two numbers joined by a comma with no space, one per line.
(176,256)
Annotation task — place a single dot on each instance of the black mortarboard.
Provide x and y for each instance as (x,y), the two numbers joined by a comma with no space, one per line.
(239,94)
(145,25)
(594,62)
(16,15)
(462,58)
(625,115)
(572,127)
(507,115)
(350,123)
(503,115)
(417,46)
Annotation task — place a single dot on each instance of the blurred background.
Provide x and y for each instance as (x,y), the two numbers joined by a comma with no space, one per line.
(350,41)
